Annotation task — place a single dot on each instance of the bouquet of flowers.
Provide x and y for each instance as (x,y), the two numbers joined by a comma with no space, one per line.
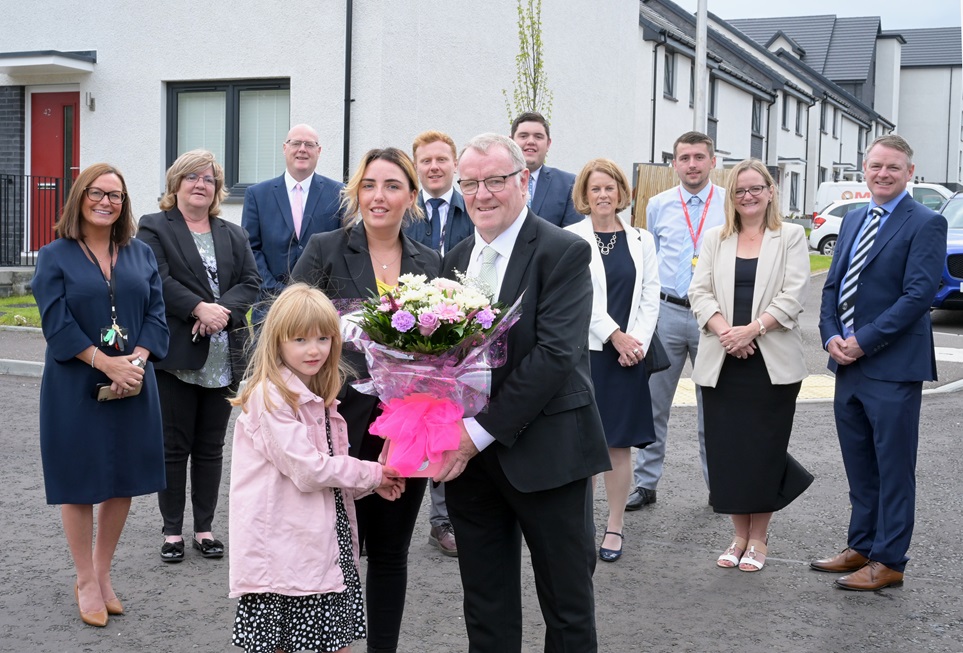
(430,347)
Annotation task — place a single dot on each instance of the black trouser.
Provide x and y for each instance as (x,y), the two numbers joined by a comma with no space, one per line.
(195,421)
(384,530)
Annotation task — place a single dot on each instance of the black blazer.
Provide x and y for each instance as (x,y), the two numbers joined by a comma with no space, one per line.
(338,263)
(542,412)
(185,284)
(458,226)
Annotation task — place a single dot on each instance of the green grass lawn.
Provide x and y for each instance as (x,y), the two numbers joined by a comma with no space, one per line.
(19,311)
(818,263)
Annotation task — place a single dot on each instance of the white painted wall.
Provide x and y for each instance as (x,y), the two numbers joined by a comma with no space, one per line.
(429,64)
(930,115)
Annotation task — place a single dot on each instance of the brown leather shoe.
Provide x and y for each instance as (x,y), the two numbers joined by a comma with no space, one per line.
(443,538)
(98,618)
(874,576)
(844,562)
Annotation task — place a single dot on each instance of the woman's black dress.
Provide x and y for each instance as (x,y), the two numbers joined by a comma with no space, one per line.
(622,393)
(748,421)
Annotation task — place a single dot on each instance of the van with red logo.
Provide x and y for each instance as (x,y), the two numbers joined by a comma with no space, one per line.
(929,195)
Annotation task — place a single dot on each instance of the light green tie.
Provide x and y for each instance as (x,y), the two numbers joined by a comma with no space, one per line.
(488,275)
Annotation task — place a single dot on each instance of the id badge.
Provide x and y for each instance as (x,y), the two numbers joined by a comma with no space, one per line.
(114,336)
(695,259)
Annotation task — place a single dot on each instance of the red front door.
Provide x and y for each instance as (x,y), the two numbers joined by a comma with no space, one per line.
(54,159)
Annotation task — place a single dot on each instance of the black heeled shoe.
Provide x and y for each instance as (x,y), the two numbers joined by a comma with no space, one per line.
(611,555)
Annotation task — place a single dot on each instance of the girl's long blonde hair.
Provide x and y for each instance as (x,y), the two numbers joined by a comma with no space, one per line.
(299,311)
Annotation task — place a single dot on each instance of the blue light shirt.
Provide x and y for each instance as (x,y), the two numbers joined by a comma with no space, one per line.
(666,221)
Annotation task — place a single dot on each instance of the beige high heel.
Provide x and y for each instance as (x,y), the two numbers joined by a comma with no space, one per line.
(98,618)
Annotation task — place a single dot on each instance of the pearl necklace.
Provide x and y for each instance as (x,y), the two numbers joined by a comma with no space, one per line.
(606,248)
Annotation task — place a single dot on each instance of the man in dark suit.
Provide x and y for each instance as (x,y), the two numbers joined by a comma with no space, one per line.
(549,189)
(281,214)
(445,225)
(524,466)
(875,324)
(446,221)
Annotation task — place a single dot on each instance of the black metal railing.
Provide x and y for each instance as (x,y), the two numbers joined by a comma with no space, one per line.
(29,208)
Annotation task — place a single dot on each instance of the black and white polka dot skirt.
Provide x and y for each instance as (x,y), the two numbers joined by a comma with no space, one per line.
(319,622)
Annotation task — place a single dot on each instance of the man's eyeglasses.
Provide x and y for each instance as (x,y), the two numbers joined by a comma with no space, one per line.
(752,190)
(95,195)
(192,177)
(493,184)
(310,145)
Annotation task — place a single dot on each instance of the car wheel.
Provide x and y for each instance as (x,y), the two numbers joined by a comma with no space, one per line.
(827,246)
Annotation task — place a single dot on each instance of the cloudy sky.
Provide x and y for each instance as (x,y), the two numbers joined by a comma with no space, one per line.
(895,14)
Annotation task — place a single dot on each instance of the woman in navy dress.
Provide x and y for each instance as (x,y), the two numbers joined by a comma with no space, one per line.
(625,309)
(102,312)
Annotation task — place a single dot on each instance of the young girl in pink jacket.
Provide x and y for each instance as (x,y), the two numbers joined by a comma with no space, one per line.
(293,535)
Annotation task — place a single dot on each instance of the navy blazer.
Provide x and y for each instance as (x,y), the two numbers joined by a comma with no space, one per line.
(553,197)
(458,225)
(542,412)
(896,288)
(186,283)
(270,227)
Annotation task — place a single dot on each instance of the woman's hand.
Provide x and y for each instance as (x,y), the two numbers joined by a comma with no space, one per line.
(124,375)
(392,485)
(211,318)
(629,348)
(739,341)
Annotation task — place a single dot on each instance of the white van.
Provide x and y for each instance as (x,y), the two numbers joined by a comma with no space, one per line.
(929,195)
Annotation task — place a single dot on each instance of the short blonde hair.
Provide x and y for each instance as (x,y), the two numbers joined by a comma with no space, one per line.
(299,311)
(186,163)
(608,167)
(349,196)
(733,224)
(432,136)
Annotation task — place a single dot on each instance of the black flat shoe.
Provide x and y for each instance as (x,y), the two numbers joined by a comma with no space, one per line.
(172,551)
(610,555)
(209,548)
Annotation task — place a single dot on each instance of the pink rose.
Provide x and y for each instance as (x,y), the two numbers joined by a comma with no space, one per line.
(428,323)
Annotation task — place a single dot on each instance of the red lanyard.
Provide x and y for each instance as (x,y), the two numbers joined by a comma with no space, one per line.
(685,209)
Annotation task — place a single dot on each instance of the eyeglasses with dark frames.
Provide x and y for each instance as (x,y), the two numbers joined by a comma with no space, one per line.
(94,194)
(755,191)
(493,184)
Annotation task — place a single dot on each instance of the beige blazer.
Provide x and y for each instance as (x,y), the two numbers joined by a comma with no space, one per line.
(782,279)
(644,313)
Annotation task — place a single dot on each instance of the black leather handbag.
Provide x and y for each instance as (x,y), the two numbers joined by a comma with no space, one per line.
(656,359)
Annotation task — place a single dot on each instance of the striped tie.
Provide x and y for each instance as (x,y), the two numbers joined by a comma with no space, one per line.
(847,298)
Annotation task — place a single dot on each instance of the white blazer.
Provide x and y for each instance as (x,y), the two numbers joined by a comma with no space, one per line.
(645,308)
(782,279)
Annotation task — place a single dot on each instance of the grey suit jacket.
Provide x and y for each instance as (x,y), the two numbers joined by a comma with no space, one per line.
(782,280)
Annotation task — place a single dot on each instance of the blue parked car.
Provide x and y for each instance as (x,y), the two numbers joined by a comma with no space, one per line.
(950,294)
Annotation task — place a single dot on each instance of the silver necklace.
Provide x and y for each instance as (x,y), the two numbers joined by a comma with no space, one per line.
(384,266)
(606,248)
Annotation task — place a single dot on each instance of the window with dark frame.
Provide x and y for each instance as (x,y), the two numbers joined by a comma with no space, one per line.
(785,111)
(712,97)
(835,122)
(243,122)
(793,191)
(800,113)
(692,85)
(823,114)
(668,84)
(757,117)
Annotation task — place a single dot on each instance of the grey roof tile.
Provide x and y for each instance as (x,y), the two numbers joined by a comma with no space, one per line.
(931,46)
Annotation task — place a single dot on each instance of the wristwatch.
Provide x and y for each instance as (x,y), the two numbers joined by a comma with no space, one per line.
(762,327)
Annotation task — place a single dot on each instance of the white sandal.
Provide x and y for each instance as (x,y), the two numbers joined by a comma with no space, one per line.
(730,557)
(754,559)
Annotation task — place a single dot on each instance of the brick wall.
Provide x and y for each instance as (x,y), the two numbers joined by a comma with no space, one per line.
(11,129)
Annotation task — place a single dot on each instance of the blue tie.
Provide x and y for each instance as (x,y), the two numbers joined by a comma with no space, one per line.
(531,189)
(435,204)
(847,296)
